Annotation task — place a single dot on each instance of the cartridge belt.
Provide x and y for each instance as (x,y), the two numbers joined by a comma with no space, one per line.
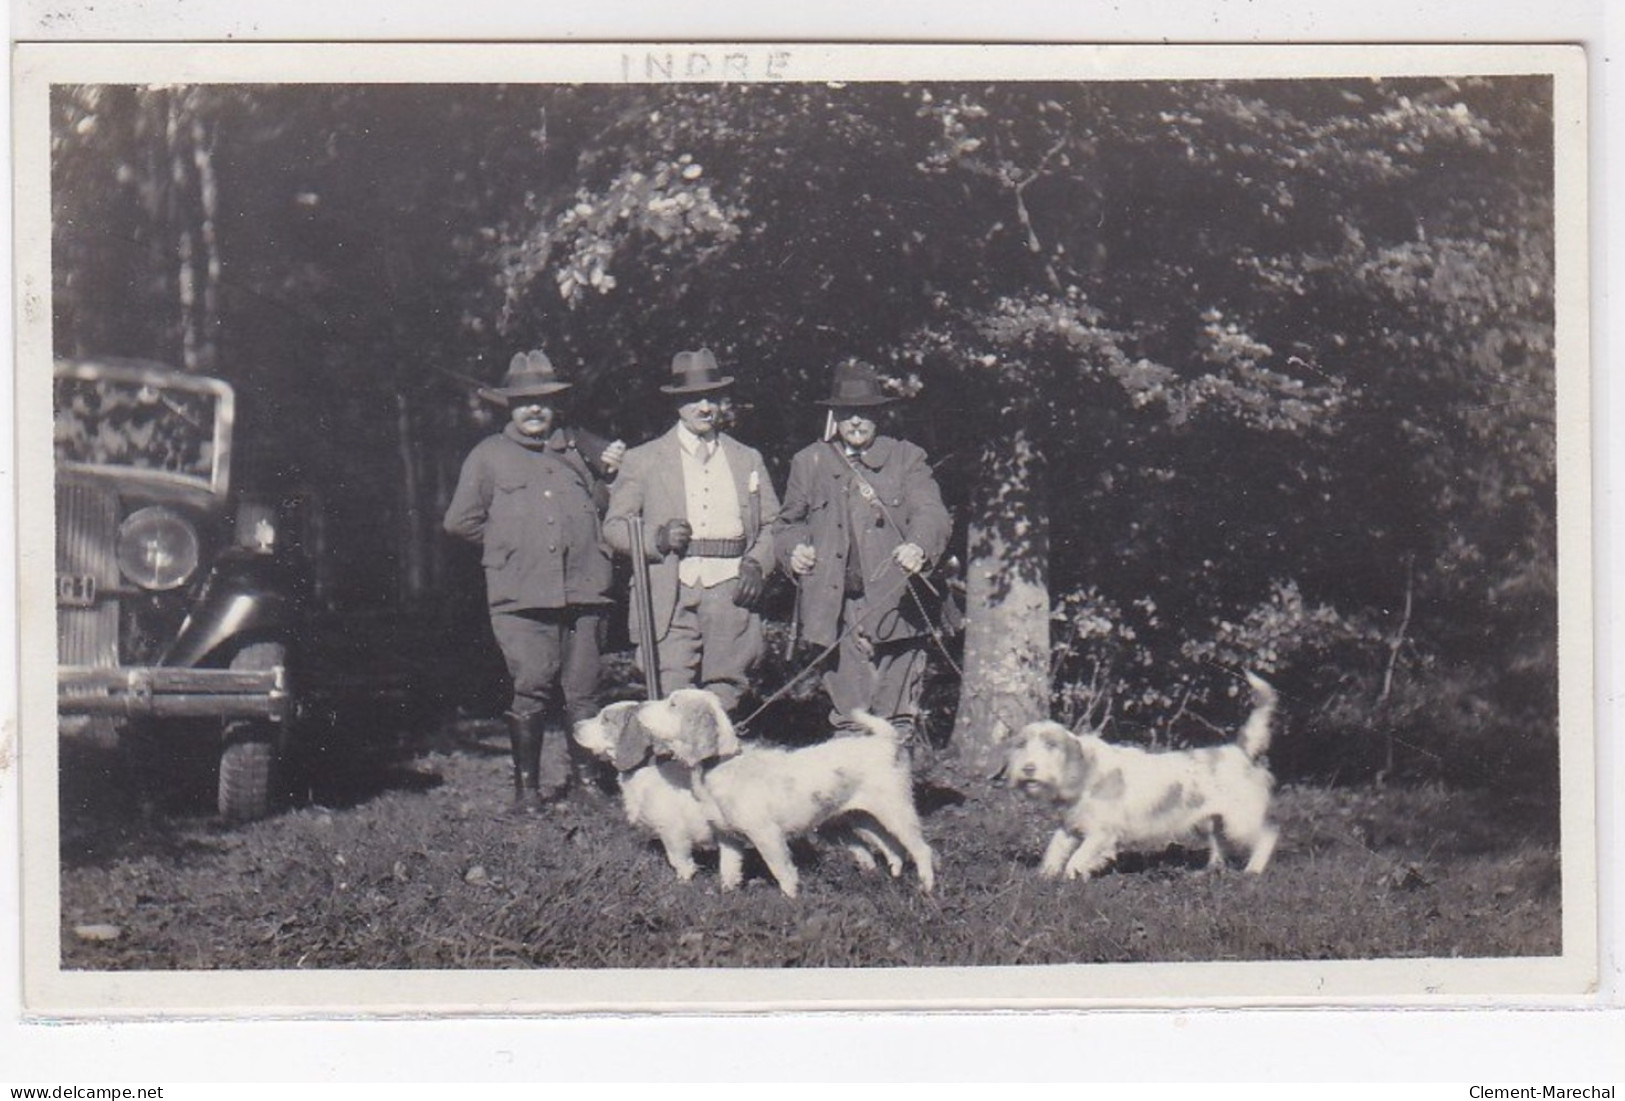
(716,548)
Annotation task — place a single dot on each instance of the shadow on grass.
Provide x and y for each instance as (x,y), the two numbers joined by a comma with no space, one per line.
(153,793)
(931,796)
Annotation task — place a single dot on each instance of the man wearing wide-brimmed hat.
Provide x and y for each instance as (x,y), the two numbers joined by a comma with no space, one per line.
(530,496)
(707,506)
(863,517)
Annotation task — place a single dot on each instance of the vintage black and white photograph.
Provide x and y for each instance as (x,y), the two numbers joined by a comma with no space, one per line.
(627,527)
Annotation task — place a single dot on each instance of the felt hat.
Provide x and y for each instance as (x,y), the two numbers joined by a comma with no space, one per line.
(696,373)
(855,385)
(530,375)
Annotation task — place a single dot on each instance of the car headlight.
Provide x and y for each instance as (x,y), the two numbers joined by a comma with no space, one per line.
(156,548)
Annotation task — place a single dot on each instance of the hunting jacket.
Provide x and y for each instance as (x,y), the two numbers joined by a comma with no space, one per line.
(824,506)
(533,508)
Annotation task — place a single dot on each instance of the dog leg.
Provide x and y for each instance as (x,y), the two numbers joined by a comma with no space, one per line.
(1061,847)
(775,852)
(877,842)
(730,864)
(1248,829)
(679,855)
(905,827)
(1263,849)
(861,856)
(1215,853)
(1094,854)
(925,864)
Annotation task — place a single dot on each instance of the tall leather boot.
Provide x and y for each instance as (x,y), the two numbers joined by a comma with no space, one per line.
(578,765)
(588,774)
(525,739)
(553,774)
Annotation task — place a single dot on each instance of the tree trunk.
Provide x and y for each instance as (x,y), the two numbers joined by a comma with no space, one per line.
(411,582)
(445,465)
(208,194)
(175,135)
(1007,609)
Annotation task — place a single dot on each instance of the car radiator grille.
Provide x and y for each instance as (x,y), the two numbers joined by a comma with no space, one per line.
(86,535)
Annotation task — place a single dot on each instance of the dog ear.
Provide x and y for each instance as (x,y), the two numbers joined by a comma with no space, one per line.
(1080,762)
(631,743)
(722,736)
(704,730)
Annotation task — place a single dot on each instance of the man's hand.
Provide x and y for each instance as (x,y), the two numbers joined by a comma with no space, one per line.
(802,559)
(612,456)
(672,537)
(910,556)
(751,584)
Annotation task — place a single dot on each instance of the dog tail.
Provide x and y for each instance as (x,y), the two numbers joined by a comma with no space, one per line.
(876,726)
(1254,738)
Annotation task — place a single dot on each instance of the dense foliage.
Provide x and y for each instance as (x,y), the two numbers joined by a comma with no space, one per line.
(1216,374)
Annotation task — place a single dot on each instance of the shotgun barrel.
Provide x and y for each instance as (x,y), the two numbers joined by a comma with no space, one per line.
(643,609)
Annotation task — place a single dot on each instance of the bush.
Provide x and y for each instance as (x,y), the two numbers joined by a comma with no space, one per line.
(1357,704)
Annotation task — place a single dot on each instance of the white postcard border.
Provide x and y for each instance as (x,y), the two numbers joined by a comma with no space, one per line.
(1568,979)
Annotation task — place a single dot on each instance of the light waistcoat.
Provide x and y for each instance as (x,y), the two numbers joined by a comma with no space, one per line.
(712,505)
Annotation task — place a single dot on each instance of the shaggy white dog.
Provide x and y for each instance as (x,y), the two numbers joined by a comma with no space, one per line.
(655,795)
(714,790)
(1122,797)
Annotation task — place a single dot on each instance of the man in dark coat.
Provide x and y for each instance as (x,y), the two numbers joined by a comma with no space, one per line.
(862,518)
(530,496)
(707,506)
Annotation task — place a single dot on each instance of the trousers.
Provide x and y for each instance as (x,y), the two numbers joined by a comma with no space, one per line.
(712,643)
(883,678)
(552,655)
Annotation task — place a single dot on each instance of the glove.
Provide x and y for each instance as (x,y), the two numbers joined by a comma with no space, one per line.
(751,584)
(612,456)
(672,537)
(910,557)
(803,559)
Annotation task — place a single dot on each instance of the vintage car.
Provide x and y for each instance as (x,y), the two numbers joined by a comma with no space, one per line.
(176,598)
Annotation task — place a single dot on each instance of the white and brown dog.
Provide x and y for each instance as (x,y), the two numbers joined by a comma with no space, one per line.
(656,795)
(1122,797)
(764,795)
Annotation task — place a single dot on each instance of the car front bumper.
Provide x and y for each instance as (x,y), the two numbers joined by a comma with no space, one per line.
(142,691)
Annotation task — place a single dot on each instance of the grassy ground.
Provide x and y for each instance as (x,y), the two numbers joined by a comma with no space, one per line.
(413,861)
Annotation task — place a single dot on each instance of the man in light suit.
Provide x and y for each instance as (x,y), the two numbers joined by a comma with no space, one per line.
(708,508)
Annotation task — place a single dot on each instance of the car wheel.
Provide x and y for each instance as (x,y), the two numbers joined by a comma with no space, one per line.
(252,747)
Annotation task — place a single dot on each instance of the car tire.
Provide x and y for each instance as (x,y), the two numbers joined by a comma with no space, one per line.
(252,747)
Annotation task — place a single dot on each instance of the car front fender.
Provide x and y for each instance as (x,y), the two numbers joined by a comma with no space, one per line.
(241,598)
